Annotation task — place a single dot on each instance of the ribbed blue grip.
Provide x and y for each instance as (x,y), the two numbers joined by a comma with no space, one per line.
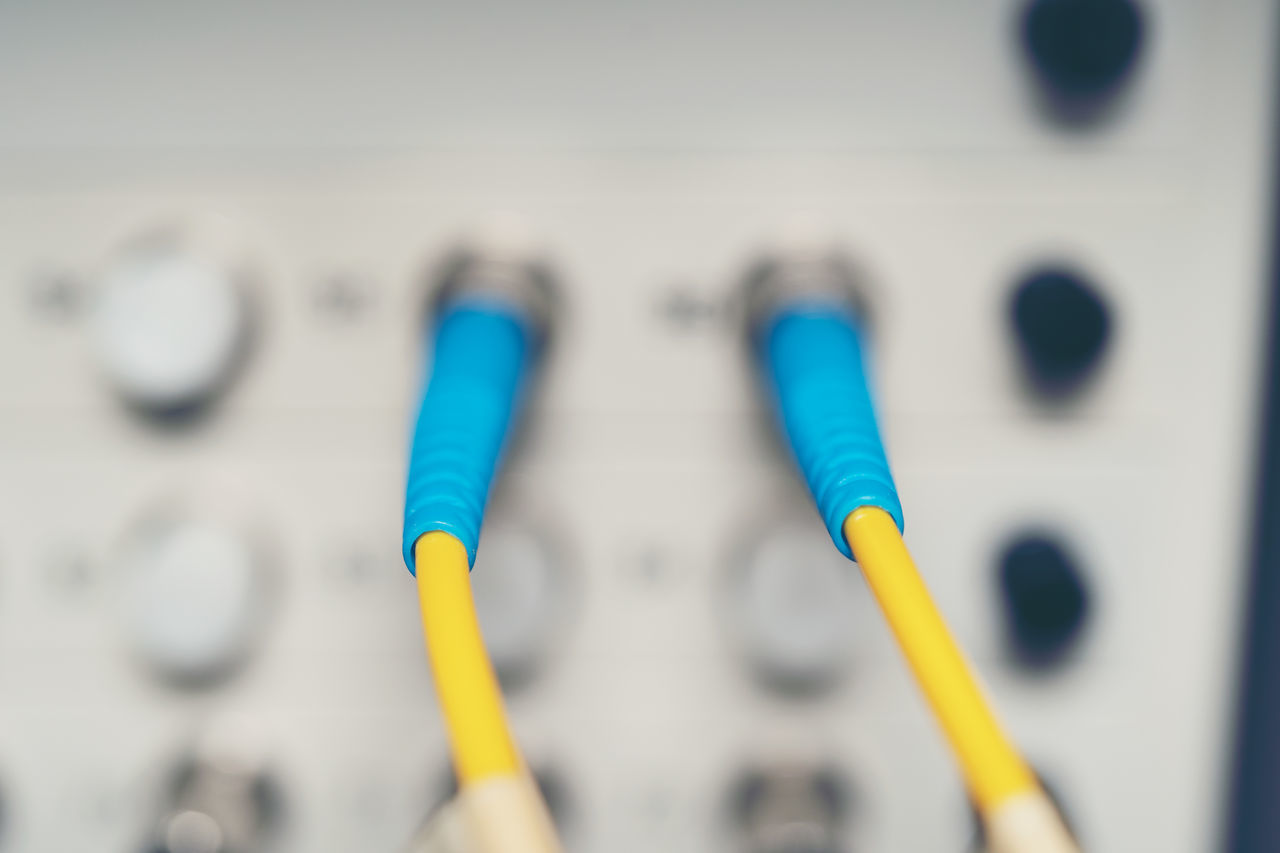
(481,356)
(812,356)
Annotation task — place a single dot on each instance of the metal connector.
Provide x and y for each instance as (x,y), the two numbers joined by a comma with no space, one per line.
(801,275)
(520,279)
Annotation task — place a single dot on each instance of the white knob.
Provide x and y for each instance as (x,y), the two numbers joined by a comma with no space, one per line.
(168,326)
(792,603)
(194,592)
(520,597)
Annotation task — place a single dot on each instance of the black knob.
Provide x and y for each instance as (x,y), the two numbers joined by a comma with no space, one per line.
(1062,326)
(1082,50)
(1045,598)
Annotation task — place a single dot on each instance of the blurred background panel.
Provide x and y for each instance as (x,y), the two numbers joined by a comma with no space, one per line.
(218,229)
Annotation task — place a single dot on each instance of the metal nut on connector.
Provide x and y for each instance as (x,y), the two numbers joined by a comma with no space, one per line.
(791,806)
(217,803)
(524,281)
(779,279)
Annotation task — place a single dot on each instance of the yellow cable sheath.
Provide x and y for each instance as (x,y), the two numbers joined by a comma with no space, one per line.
(483,747)
(993,769)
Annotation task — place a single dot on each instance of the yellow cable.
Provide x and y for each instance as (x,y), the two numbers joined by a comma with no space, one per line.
(483,747)
(993,769)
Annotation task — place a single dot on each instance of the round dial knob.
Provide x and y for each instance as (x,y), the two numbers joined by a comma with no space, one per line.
(1082,50)
(194,593)
(519,592)
(1062,325)
(1045,598)
(168,326)
(792,602)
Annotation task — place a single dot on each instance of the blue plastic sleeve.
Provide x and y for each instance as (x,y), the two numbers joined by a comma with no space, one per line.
(477,371)
(812,354)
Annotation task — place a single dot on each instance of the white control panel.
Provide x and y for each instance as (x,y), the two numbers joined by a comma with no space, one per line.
(208,639)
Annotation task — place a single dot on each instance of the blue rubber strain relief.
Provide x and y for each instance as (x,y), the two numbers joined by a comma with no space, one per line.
(480,360)
(812,354)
